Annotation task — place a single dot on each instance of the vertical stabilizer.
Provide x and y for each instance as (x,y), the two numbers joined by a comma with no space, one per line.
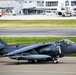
(2,42)
(2,46)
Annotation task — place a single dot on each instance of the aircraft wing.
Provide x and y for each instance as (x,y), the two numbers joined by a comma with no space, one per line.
(27,48)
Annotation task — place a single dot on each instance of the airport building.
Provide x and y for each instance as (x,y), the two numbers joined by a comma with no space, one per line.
(31,7)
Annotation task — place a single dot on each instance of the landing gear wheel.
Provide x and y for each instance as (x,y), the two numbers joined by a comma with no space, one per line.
(31,61)
(55,61)
(38,61)
(17,63)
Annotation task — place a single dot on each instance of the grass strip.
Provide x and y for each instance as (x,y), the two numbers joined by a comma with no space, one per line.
(37,23)
(30,40)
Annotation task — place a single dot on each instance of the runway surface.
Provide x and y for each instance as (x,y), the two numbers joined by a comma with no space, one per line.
(66,66)
(37,32)
(36,17)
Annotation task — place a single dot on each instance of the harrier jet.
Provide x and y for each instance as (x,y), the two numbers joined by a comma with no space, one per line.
(48,51)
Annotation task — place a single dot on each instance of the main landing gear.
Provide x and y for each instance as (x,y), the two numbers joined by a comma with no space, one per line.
(55,61)
(31,61)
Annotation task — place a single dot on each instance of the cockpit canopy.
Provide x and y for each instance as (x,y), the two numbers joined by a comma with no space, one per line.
(66,42)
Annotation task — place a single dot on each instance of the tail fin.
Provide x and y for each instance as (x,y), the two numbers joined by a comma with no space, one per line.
(2,46)
(2,42)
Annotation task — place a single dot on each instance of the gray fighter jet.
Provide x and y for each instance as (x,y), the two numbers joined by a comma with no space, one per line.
(50,51)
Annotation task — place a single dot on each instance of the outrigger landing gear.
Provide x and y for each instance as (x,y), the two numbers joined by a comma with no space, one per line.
(17,63)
